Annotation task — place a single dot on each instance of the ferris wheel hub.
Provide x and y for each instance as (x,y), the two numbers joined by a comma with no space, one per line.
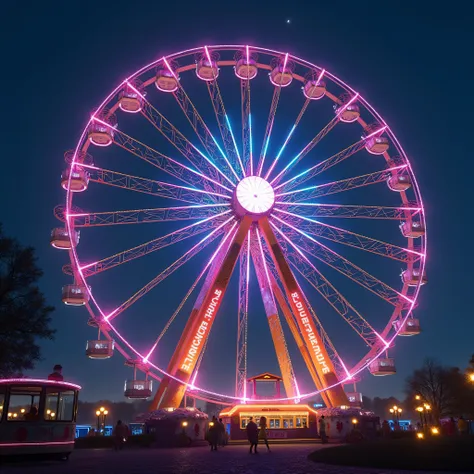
(253,195)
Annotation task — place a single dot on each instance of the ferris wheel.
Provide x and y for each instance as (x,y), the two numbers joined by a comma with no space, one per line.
(305,189)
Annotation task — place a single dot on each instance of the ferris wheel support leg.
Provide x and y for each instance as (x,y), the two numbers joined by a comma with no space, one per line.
(319,355)
(278,337)
(188,329)
(298,339)
(194,341)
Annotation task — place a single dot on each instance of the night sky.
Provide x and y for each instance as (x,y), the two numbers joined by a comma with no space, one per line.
(413,64)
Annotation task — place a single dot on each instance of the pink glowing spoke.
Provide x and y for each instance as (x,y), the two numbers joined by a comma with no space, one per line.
(149,186)
(344,266)
(268,130)
(140,216)
(259,240)
(164,126)
(152,245)
(346,237)
(168,271)
(350,102)
(323,286)
(163,162)
(247,144)
(316,209)
(282,149)
(188,294)
(313,192)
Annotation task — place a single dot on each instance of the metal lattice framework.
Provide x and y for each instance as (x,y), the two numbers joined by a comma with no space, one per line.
(299,237)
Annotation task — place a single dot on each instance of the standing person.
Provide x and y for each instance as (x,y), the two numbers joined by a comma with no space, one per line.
(119,434)
(262,434)
(252,435)
(462,426)
(322,430)
(214,433)
(57,374)
(221,433)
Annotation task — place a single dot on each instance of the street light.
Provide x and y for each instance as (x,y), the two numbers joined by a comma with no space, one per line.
(427,407)
(101,414)
(396,412)
(471,377)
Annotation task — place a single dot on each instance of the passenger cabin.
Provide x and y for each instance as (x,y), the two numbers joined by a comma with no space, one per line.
(377,145)
(412,229)
(246,69)
(75,295)
(60,238)
(100,349)
(207,70)
(102,133)
(382,366)
(413,277)
(399,182)
(138,389)
(130,101)
(355,399)
(411,327)
(166,80)
(314,89)
(79,180)
(281,75)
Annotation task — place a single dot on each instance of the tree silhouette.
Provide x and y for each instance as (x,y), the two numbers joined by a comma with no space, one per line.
(24,314)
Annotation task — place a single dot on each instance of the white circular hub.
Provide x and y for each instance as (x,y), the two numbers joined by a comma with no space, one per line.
(255,195)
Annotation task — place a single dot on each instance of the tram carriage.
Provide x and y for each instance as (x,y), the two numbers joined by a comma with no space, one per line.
(37,417)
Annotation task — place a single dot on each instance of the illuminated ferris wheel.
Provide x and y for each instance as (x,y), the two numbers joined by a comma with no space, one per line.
(305,189)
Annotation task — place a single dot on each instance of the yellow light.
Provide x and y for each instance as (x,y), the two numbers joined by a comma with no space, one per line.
(391,410)
(102,409)
(355,421)
(15,415)
(420,435)
(428,407)
(471,377)
(53,414)
(399,410)
(22,410)
(344,407)
(435,431)
(48,412)
(106,412)
(211,423)
(185,423)
(420,409)
(97,412)
(417,397)
(9,414)
(395,408)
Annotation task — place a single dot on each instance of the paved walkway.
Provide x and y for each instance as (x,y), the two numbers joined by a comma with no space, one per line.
(284,459)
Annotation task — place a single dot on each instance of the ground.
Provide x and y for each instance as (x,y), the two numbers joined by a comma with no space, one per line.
(284,459)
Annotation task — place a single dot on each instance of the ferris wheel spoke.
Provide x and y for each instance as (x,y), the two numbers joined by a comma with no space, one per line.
(304,151)
(165,163)
(269,128)
(188,294)
(206,164)
(300,262)
(171,269)
(313,192)
(331,258)
(139,216)
(346,237)
(242,321)
(247,143)
(153,245)
(323,165)
(314,209)
(232,154)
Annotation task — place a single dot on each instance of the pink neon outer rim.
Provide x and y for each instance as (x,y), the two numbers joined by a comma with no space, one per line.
(341,84)
(40,381)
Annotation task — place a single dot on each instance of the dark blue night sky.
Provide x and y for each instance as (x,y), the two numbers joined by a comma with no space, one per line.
(413,64)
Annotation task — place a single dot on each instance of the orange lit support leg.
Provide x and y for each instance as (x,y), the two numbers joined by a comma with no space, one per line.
(278,337)
(319,355)
(194,340)
(188,328)
(298,339)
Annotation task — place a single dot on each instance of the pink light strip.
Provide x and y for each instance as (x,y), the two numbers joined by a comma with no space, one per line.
(344,107)
(320,76)
(39,381)
(318,204)
(263,260)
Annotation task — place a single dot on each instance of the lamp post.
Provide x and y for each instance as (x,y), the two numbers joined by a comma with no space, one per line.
(420,410)
(101,414)
(427,408)
(396,412)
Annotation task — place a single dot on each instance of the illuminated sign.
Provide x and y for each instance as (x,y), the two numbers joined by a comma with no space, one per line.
(315,344)
(203,328)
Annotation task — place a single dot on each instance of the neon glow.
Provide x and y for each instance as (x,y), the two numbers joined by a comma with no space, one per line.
(255,195)
(251,144)
(208,55)
(303,64)
(39,382)
(381,130)
(280,152)
(189,360)
(344,107)
(235,145)
(320,76)
(169,68)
